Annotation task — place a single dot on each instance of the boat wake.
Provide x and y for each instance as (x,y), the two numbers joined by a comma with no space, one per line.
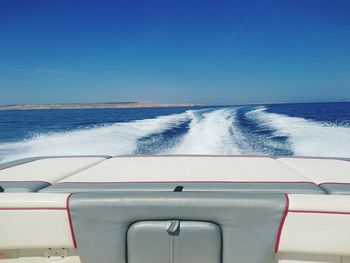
(222,131)
(306,137)
(111,139)
(209,133)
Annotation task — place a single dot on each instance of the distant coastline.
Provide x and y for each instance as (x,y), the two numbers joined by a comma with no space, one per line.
(111,105)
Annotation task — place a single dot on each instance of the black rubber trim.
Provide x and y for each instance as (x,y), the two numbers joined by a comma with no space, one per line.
(178,188)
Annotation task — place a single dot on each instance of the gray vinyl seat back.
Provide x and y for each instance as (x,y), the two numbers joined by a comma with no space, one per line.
(256,187)
(177,227)
(20,187)
(336,188)
(172,241)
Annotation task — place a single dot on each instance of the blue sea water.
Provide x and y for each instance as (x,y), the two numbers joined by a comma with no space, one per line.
(308,129)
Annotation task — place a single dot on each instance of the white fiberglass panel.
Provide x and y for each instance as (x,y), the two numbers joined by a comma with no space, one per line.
(320,170)
(188,169)
(49,169)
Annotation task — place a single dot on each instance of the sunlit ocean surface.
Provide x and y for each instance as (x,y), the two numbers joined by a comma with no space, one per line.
(314,129)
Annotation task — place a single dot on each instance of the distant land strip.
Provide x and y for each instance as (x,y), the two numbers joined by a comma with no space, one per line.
(112,105)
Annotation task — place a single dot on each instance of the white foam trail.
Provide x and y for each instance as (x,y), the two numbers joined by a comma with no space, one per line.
(210,133)
(307,137)
(114,139)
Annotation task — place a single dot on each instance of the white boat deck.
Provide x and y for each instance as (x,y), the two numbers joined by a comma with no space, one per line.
(178,169)
(35,225)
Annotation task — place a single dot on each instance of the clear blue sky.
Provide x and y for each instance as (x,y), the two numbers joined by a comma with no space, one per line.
(216,52)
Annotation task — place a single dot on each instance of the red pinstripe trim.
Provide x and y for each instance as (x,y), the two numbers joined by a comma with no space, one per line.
(319,212)
(312,157)
(192,155)
(259,182)
(282,223)
(286,211)
(56,157)
(32,208)
(232,155)
(70,221)
(49,208)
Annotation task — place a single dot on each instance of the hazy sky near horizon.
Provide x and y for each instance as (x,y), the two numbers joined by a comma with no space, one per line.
(215,52)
